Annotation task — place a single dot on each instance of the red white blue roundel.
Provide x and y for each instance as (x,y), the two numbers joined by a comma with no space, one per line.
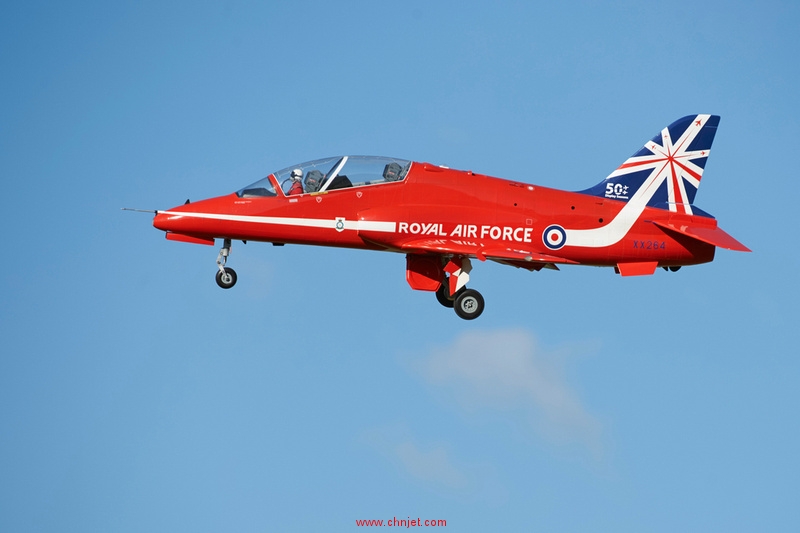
(554,237)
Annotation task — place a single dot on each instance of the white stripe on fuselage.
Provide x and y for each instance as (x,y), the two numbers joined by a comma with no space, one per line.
(385,227)
(614,231)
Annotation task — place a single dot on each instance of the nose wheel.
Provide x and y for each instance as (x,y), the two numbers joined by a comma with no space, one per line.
(226,276)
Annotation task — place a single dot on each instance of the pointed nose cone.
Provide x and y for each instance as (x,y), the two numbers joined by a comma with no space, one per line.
(160,221)
(182,228)
(172,220)
(202,219)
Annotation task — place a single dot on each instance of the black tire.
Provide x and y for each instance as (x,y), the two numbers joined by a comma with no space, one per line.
(443,296)
(227,280)
(674,269)
(469,304)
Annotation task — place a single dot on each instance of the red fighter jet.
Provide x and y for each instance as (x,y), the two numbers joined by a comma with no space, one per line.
(642,216)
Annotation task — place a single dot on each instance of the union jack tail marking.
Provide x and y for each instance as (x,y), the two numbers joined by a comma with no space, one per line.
(666,172)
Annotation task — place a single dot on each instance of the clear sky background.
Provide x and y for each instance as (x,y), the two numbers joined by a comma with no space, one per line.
(135,395)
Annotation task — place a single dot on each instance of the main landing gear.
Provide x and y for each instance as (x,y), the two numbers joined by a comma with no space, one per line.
(467,303)
(226,276)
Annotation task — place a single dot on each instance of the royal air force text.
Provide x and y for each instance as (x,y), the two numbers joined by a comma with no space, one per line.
(497,233)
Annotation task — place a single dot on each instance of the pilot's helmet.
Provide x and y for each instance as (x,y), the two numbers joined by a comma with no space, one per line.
(297,174)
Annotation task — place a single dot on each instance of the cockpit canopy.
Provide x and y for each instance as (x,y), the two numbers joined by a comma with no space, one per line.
(330,174)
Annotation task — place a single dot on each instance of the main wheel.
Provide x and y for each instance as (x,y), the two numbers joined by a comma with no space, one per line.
(469,304)
(226,279)
(443,294)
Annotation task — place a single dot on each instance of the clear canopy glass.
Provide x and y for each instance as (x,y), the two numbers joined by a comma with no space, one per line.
(330,174)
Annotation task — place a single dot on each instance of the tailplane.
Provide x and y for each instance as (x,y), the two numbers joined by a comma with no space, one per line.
(666,172)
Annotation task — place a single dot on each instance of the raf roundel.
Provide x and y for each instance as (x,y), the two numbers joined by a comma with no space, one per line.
(554,237)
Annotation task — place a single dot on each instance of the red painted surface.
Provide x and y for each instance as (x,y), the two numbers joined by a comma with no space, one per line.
(450,212)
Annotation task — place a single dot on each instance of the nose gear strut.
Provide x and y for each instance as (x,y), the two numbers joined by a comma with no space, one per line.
(226,276)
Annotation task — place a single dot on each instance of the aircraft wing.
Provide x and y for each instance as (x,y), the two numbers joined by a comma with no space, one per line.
(710,235)
(510,256)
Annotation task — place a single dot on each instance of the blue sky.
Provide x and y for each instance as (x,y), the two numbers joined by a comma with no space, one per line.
(135,395)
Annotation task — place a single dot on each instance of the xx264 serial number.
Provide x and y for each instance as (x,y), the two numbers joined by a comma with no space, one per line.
(650,245)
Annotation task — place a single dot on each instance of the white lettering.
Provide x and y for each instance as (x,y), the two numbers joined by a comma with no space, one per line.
(505,233)
(434,230)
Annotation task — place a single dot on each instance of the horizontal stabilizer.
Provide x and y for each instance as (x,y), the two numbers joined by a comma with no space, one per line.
(715,236)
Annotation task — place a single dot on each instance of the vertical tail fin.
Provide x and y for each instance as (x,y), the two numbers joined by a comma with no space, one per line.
(666,172)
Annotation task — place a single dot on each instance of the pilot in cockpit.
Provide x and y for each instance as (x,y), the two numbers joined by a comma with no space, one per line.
(297,182)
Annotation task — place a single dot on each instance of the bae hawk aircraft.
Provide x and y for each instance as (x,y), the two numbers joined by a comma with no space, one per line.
(641,217)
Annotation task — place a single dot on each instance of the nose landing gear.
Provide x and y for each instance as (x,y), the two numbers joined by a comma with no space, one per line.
(226,276)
